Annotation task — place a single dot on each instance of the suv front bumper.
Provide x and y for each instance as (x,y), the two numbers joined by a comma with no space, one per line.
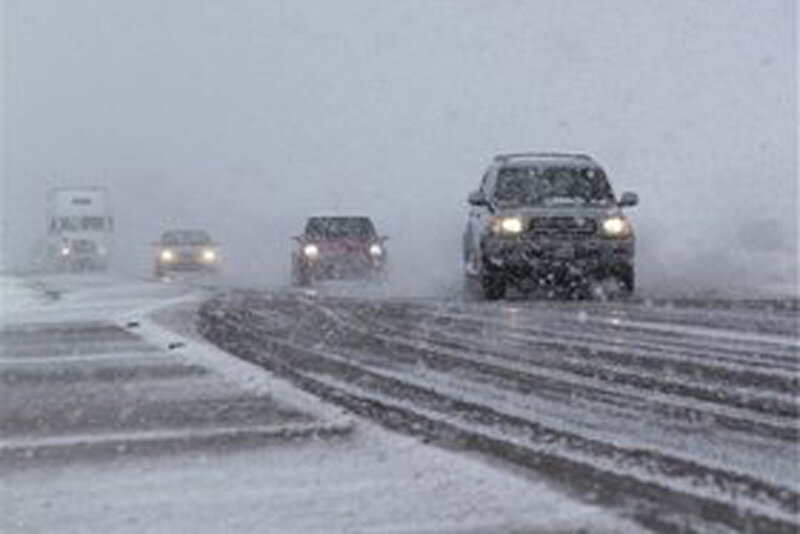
(340,266)
(534,258)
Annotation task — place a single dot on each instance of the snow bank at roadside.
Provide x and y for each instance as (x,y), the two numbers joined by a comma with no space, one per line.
(84,297)
(18,294)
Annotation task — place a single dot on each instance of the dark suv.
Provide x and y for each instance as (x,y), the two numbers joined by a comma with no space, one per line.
(338,247)
(549,220)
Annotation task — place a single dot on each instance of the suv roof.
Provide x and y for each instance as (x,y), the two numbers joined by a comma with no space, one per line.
(528,156)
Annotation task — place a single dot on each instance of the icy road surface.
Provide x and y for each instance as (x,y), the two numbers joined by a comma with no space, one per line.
(681,414)
(116,417)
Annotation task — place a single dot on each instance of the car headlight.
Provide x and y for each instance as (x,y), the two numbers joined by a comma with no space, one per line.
(65,251)
(506,225)
(209,255)
(616,227)
(167,255)
(376,251)
(311,251)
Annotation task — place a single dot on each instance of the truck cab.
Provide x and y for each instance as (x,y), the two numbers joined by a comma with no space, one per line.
(79,229)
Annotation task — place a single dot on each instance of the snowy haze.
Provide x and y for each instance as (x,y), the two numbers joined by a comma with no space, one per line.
(242,117)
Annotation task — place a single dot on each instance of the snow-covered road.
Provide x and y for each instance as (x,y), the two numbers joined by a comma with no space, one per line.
(115,416)
(684,414)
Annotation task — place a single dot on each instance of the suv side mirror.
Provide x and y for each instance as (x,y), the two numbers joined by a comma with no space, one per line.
(628,199)
(477,198)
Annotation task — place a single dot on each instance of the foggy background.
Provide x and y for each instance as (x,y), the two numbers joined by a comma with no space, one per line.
(242,117)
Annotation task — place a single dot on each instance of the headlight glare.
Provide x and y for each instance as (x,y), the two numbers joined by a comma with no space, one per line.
(167,255)
(507,225)
(376,250)
(311,251)
(616,227)
(209,255)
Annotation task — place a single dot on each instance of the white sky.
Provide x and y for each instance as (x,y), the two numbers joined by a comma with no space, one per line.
(244,116)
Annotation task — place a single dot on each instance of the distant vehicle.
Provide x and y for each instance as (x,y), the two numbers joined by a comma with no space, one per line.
(79,229)
(338,247)
(186,251)
(549,220)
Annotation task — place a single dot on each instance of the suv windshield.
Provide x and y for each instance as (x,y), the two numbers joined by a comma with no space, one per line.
(532,185)
(186,237)
(340,227)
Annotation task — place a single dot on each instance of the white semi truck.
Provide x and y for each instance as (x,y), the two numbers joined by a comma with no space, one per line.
(79,228)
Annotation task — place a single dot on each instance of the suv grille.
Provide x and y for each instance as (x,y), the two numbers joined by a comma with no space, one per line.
(569,227)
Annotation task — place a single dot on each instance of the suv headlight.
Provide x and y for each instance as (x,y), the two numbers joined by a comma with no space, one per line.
(376,251)
(506,225)
(616,227)
(167,255)
(209,255)
(311,251)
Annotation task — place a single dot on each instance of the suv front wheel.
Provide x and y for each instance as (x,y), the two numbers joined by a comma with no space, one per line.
(493,284)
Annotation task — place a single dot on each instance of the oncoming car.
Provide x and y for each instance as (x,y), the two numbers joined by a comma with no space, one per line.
(544,219)
(336,247)
(186,251)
